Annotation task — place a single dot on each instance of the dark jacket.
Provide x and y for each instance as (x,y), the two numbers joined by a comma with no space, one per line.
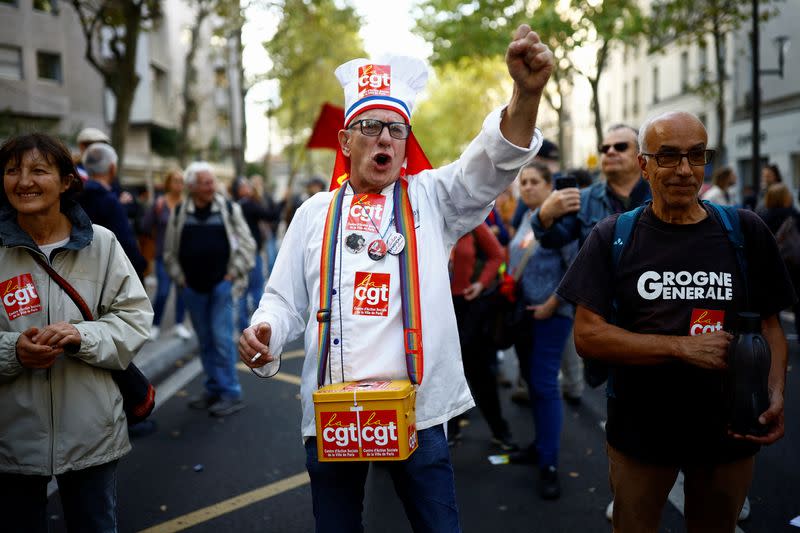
(104,209)
(597,203)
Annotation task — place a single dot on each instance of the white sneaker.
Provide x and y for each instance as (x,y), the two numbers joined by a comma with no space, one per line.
(155,331)
(610,511)
(744,514)
(182,332)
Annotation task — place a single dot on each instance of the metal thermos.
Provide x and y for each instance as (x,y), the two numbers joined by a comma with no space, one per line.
(749,362)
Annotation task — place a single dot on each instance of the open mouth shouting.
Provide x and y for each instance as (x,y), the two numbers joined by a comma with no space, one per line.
(382,161)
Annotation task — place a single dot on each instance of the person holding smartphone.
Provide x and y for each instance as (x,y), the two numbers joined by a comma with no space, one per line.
(621,190)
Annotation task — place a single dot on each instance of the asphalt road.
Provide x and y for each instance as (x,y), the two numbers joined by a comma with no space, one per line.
(246,472)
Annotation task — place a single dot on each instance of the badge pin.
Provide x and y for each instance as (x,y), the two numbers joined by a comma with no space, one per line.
(377,250)
(355,243)
(395,243)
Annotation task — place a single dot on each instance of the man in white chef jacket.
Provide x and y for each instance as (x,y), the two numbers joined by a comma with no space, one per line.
(367,326)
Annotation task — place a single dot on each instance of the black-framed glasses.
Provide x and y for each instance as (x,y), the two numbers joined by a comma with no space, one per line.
(696,158)
(372,128)
(619,147)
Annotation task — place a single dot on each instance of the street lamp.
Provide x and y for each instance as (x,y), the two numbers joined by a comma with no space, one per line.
(782,43)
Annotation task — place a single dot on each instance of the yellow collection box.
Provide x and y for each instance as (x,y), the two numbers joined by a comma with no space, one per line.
(366,421)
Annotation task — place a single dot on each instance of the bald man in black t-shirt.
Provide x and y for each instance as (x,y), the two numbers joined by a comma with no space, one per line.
(673,296)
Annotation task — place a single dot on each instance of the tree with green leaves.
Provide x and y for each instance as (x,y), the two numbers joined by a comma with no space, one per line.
(312,39)
(557,33)
(440,123)
(604,25)
(111,29)
(459,29)
(695,22)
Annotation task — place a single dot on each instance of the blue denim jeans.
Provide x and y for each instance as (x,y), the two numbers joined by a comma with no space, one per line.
(164,284)
(212,318)
(272,253)
(424,483)
(88,499)
(543,346)
(255,288)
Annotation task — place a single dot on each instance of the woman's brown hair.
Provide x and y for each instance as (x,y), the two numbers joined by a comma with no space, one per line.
(52,149)
(777,195)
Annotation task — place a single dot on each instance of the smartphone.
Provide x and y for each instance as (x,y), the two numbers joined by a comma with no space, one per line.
(564,181)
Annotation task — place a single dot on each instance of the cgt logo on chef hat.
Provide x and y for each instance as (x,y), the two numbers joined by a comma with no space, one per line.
(386,82)
(374,80)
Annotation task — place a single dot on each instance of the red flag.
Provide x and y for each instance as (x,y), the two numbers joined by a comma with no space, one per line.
(326,129)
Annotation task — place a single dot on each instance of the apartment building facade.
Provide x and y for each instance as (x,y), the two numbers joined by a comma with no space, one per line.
(46,83)
(637,85)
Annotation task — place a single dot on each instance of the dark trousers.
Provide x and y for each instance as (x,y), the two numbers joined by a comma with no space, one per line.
(479,356)
(424,483)
(88,498)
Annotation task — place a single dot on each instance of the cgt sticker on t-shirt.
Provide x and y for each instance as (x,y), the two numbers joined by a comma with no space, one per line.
(366,212)
(20,296)
(371,294)
(706,321)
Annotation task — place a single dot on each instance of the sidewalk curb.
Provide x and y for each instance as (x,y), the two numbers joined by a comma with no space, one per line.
(156,359)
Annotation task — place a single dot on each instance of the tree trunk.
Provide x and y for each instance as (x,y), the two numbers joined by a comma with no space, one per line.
(598,122)
(722,151)
(122,117)
(124,81)
(242,94)
(602,54)
(294,161)
(559,110)
(189,79)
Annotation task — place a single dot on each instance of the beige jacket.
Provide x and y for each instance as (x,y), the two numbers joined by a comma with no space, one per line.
(67,417)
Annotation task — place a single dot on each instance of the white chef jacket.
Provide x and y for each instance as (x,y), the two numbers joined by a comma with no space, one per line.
(447,203)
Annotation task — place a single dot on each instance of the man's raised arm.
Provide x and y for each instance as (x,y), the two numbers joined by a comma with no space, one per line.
(530,63)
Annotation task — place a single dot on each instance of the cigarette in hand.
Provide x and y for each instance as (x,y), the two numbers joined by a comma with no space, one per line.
(255,357)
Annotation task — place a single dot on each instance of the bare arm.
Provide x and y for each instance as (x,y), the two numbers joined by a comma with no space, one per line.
(597,339)
(530,63)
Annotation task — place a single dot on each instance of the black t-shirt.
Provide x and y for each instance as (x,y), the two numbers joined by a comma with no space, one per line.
(675,279)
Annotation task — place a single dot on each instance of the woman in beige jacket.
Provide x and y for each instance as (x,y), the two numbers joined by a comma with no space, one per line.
(60,411)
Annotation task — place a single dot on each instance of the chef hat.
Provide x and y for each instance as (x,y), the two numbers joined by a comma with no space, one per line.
(387,82)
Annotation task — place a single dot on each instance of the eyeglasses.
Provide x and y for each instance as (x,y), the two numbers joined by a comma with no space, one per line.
(696,158)
(619,147)
(372,128)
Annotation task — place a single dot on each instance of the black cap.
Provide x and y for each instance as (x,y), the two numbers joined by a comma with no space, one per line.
(316,180)
(549,151)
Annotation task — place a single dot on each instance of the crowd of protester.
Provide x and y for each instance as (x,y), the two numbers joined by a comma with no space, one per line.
(216,248)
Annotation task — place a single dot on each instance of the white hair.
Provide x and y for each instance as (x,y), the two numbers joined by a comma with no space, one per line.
(98,158)
(653,118)
(191,172)
(643,130)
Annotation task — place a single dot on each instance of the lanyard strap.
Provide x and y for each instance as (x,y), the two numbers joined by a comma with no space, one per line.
(409,282)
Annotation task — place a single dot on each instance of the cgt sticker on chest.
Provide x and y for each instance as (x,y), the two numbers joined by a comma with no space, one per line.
(366,213)
(706,321)
(371,294)
(20,296)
